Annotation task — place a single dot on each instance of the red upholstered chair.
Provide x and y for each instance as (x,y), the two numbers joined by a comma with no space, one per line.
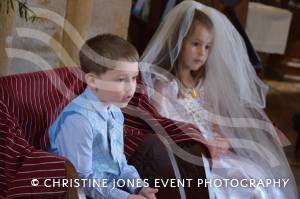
(29,103)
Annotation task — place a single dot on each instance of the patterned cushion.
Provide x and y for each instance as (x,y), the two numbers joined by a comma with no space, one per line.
(29,104)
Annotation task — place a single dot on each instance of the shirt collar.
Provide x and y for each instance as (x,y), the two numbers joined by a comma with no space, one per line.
(100,107)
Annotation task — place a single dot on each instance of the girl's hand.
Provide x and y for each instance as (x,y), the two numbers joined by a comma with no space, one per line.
(222,144)
(132,196)
(148,192)
(217,146)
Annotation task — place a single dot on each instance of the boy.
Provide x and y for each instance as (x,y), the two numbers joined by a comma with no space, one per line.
(89,131)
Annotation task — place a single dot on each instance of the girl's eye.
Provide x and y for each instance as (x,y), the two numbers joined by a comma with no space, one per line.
(134,78)
(207,47)
(120,80)
(195,43)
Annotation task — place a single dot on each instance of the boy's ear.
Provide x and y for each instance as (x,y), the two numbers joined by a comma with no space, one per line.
(90,79)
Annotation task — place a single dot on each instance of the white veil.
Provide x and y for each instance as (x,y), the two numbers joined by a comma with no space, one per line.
(236,94)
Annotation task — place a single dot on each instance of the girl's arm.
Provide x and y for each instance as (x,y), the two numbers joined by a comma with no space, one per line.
(219,144)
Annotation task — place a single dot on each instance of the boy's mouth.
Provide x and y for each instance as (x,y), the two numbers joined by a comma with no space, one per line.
(127,98)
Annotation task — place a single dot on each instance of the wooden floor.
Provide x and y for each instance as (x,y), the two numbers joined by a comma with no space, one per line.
(283,101)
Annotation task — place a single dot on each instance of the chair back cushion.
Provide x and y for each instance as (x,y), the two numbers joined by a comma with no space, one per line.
(35,99)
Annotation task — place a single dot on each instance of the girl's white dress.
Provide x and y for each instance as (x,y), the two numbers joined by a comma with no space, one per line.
(227,167)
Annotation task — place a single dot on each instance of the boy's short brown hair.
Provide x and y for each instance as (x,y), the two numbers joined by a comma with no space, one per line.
(109,46)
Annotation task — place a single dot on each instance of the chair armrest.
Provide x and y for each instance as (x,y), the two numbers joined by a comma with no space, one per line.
(56,168)
(42,166)
(21,164)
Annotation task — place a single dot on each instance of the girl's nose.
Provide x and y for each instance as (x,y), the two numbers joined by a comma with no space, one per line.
(201,51)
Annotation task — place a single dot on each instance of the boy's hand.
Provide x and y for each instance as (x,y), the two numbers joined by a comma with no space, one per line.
(148,192)
(132,196)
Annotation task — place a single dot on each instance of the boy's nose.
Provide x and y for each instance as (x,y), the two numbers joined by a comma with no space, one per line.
(131,87)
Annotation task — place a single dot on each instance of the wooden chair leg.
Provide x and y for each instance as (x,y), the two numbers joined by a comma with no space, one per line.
(296,124)
(297,145)
(72,192)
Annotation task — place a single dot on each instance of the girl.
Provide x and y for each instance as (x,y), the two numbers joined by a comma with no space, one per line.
(197,70)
